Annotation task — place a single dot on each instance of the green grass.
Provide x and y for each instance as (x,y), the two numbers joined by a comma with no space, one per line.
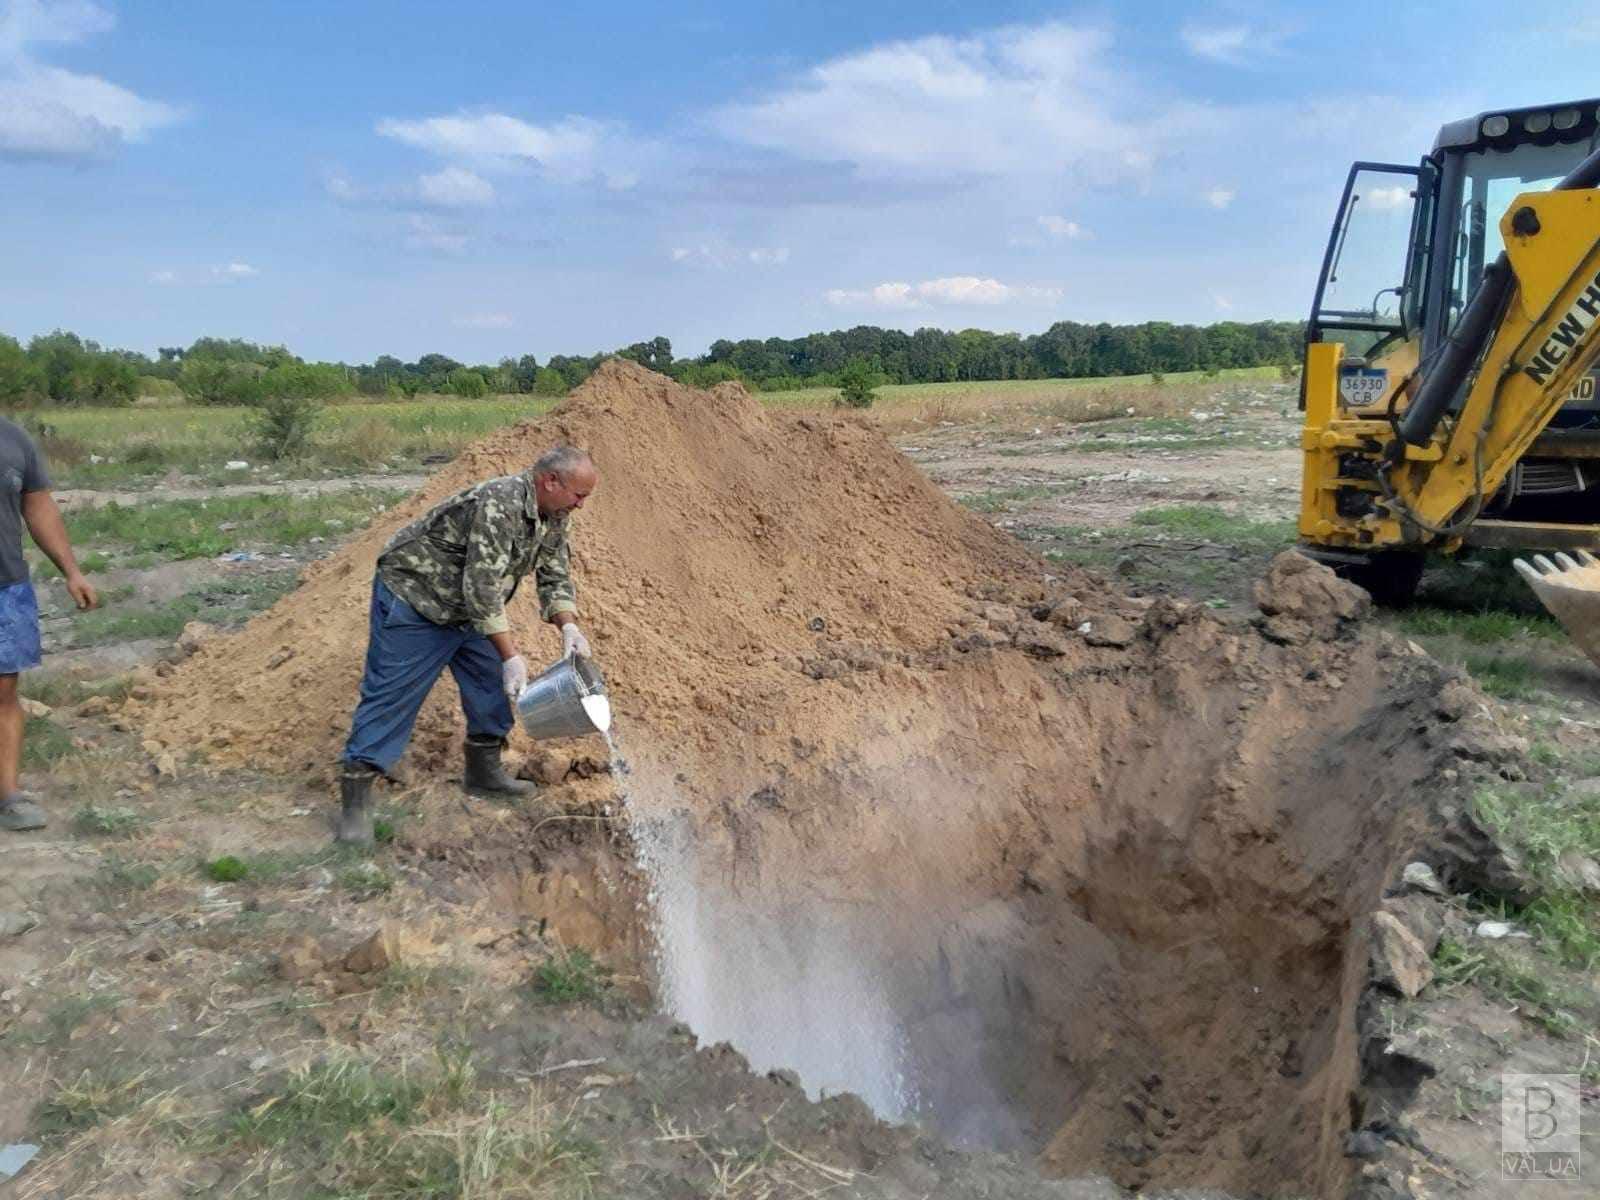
(273,867)
(97,820)
(1543,824)
(350,1128)
(101,625)
(94,1096)
(45,743)
(571,977)
(1569,925)
(322,1105)
(1508,977)
(47,687)
(1504,675)
(227,869)
(1489,627)
(1005,499)
(220,602)
(1481,582)
(1209,523)
(363,880)
(119,879)
(184,529)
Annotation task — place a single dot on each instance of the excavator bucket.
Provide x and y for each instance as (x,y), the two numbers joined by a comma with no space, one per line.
(1570,589)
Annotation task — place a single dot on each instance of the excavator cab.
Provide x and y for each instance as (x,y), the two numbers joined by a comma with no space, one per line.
(1409,250)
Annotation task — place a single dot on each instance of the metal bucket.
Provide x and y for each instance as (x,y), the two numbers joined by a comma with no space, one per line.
(551,706)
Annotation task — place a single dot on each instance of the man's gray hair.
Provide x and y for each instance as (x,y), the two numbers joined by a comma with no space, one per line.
(560,460)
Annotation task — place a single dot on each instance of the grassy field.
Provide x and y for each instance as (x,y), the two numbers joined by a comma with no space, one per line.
(1002,392)
(137,446)
(146,443)
(907,407)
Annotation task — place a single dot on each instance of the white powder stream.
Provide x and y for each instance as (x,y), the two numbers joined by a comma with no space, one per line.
(598,710)
(788,989)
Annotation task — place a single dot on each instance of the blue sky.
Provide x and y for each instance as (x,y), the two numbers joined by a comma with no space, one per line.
(491,179)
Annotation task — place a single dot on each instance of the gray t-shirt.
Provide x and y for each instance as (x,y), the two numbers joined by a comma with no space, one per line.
(21,470)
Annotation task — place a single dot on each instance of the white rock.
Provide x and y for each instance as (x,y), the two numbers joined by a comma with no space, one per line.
(1495,930)
(236,464)
(1420,875)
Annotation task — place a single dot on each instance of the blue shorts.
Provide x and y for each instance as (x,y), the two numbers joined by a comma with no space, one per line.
(19,628)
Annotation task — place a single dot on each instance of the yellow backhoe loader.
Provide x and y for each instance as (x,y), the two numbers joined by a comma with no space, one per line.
(1449,379)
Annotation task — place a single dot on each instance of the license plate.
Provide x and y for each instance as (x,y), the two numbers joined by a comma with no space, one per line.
(1360,386)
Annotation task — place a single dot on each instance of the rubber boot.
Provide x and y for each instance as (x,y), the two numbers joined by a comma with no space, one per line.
(355,806)
(486,777)
(18,813)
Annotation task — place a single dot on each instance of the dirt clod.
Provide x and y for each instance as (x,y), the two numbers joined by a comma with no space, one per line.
(300,960)
(376,953)
(1109,629)
(1399,959)
(194,635)
(1303,600)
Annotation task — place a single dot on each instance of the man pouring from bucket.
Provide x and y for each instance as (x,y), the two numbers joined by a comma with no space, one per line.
(439,600)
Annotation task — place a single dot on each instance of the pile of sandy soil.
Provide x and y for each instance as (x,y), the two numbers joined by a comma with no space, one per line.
(721,540)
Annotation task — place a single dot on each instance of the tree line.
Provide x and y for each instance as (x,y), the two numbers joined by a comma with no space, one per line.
(63,368)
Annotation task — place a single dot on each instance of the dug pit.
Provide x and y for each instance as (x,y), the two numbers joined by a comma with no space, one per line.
(1049,868)
(1106,910)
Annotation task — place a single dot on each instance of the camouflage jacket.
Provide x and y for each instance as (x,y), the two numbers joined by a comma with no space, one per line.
(461,562)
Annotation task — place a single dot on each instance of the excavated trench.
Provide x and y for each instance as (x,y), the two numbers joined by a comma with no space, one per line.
(1112,916)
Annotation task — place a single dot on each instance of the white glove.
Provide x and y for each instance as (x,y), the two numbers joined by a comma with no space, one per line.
(514,676)
(573,641)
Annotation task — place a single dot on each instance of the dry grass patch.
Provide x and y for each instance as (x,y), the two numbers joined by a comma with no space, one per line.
(359,1129)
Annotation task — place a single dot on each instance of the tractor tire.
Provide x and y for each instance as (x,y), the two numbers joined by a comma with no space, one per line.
(1391,577)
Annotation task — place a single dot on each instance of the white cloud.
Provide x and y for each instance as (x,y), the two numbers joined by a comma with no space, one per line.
(1218,197)
(234,270)
(455,187)
(424,233)
(341,187)
(23,22)
(164,277)
(1060,227)
(1387,198)
(718,254)
(572,150)
(948,291)
(494,320)
(1232,45)
(51,113)
(1221,302)
(1017,101)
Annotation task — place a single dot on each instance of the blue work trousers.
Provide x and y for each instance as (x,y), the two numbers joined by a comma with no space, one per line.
(405,654)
